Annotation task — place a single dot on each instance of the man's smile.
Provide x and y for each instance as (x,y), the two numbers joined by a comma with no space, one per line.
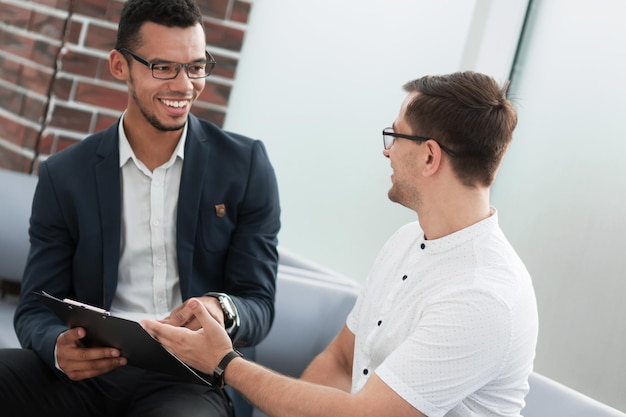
(178,104)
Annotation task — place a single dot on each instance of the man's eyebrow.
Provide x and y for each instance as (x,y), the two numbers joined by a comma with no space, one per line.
(167,61)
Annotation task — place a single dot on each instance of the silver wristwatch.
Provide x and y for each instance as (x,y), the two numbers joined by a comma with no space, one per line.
(231,315)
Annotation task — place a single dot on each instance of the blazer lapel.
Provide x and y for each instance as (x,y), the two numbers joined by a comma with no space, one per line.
(190,193)
(107,173)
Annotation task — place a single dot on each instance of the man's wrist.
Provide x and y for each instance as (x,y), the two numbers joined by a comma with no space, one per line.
(56,359)
(229,309)
(218,372)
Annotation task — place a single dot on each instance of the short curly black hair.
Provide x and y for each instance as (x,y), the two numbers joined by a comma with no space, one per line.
(171,13)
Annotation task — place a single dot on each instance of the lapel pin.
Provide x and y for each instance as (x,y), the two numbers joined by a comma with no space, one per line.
(220,210)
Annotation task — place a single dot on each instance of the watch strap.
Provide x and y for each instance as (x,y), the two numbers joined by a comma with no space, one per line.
(218,372)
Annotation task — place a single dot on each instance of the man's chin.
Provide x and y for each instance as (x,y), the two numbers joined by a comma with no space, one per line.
(392,195)
(156,123)
(396,197)
(174,127)
(170,128)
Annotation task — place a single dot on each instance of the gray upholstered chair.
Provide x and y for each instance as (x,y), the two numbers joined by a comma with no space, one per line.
(16,194)
(548,398)
(16,191)
(312,304)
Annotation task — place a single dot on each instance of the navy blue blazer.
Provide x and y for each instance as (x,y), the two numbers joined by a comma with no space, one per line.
(76,218)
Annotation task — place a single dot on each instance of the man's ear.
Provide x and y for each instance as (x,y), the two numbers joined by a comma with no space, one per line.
(118,65)
(433,157)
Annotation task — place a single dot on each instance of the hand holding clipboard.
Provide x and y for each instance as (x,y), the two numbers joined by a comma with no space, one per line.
(135,344)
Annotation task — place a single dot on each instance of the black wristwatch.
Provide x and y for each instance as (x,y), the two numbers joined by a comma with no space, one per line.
(218,373)
(231,316)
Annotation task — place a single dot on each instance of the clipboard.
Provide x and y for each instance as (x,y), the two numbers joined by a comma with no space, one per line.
(134,343)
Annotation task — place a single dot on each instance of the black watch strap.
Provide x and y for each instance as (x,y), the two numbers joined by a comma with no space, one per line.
(218,373)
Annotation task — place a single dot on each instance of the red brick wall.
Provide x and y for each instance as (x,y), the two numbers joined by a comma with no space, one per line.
(55,86)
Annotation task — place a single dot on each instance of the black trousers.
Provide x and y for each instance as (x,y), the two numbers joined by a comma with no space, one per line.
(28,387)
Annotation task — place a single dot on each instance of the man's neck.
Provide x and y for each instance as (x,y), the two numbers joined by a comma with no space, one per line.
(462,209)
(151,146)
(155,152)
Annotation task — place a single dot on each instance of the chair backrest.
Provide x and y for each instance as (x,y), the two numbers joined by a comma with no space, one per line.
(312,304)
(16,192)
(311,308)
(548,398)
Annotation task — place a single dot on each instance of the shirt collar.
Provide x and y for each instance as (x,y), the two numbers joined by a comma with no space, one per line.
(462,236)
(126,152)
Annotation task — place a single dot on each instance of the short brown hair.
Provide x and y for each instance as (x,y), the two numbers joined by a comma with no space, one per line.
(469,113)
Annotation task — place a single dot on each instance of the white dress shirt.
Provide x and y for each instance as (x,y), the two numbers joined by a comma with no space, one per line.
(148,284)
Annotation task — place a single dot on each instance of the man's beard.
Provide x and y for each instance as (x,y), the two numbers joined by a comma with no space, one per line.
(392,195)
(152,118)
(158,125)
(404,197)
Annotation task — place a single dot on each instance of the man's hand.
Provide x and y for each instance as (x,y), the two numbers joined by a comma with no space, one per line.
(182,316)
(79,362)
(202,348)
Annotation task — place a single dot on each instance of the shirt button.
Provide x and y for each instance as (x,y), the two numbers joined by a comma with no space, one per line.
(423,246)
(380,322)
(365,371)
(404,278)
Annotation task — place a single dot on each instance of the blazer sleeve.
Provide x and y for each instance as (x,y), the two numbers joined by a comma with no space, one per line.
(48,268)
(252,259)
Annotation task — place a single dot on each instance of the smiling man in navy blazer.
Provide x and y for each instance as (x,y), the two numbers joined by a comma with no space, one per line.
(158,208)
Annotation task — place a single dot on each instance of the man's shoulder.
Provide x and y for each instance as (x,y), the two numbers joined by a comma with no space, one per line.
(411,230)
(210,133)
(85,149)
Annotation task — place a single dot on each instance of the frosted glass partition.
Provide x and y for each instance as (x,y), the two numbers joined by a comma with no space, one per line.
(562,190)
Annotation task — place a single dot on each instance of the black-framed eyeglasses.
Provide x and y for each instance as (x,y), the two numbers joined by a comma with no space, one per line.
(162,70)
(389,138)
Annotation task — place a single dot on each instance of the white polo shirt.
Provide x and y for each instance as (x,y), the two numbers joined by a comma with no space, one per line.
(449,324)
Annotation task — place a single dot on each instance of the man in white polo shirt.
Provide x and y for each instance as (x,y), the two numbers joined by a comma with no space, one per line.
(447,322)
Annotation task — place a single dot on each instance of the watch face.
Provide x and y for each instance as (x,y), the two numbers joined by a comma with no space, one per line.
(229,308)
(231,321)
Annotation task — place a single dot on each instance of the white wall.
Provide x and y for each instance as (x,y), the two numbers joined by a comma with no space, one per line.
(562,190)
(318,81)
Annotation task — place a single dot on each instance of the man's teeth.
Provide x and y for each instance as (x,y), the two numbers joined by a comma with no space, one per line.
(177,104)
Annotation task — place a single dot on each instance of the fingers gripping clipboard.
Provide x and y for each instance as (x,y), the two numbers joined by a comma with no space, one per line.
(134,343)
